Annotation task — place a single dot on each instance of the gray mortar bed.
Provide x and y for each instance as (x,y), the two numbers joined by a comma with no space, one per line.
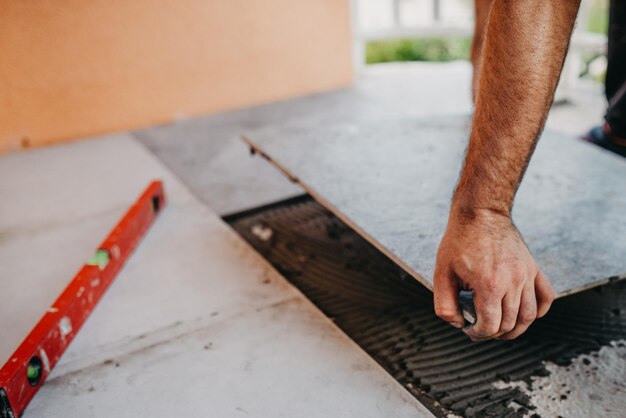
(391,317)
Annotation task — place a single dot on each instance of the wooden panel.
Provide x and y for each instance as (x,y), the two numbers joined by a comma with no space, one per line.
(90,68)
(392,182)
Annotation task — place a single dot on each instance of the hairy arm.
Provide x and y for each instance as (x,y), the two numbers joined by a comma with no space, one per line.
(522,57)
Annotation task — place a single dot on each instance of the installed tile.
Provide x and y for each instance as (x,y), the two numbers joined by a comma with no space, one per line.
(49,186)
(286,360)
(392,182)
(36,265)
(190,271)
(60,203)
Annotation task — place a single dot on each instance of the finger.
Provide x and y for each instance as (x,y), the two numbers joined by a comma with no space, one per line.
(446,294)
(544,293)
(527,312)
(510,310)
(488,306)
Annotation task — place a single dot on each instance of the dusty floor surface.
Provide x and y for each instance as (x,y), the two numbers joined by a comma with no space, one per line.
(196,324)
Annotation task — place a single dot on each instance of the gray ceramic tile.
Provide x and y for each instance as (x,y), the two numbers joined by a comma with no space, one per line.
(393,182)
(286,360)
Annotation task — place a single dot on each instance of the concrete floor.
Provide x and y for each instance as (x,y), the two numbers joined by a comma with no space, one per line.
(197,324)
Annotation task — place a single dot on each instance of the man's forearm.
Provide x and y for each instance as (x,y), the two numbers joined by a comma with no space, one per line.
(523,52)
(481,250)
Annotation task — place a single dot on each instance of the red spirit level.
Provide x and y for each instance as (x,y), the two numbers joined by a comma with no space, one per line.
(25,371)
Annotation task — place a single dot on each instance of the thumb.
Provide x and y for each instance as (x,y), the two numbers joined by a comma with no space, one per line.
(544,293)
(446,294)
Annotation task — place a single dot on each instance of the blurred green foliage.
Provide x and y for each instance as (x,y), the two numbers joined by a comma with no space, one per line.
(598,23)
(454,48)
(598,16)
(418,49)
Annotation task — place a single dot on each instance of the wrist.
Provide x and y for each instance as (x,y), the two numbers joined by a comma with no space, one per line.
(467,210)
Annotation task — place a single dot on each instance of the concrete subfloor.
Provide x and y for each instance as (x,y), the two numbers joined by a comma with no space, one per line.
(197,324)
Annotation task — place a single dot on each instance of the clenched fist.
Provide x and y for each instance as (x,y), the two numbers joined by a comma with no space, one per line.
(484,252)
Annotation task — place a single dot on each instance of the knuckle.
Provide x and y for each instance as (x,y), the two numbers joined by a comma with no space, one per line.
(527,317)
(473,334)
(507,326)
(492,286)
(469,275)
(445,313)
(486,330)
(508,336)
(492,329)
(518,279)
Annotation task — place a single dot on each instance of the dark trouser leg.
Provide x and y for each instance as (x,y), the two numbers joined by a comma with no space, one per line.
(616,70)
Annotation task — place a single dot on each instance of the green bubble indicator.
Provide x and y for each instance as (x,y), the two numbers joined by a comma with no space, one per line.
(32,372)
(101,258)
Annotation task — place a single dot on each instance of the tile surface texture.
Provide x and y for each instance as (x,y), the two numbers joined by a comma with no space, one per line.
(196,324)
(206,153)
(392,182)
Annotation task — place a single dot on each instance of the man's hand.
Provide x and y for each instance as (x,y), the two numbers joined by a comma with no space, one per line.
(483,251)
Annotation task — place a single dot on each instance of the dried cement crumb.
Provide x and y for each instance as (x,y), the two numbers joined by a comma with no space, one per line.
(593,385)
(262,232)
